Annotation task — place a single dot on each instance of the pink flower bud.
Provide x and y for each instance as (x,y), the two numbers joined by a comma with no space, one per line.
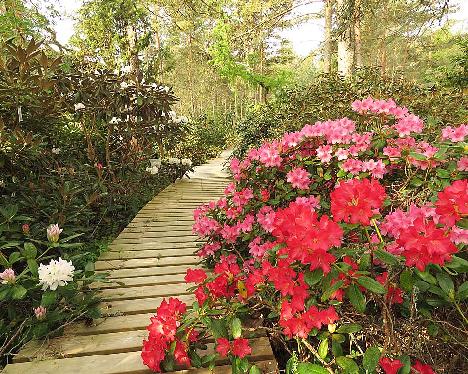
(53,233)
(40,312)
(25,229)
(99,166)
(8,276)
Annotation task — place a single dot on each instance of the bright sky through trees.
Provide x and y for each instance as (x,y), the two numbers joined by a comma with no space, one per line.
(304,37)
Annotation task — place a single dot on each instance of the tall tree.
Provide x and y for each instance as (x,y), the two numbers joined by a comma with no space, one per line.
(328,43)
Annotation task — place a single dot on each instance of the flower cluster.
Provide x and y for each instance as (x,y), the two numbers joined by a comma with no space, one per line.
(163,333)
(57,273)
(325,219)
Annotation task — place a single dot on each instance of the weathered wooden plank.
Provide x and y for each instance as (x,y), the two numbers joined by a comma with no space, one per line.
(148,253)
(142,292)
(143,272)
(170,239)
(171,228)
(155,246)
(141,281)
(108,344)
(145,262)
(120,363)
(159,235)
(138,306)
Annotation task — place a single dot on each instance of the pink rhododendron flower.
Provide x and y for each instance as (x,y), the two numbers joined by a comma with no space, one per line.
(456,134)
(8,276)
(459,235)
(352,166)
(311,201)
(266,218)
(341,154)
(299,178)
(40,312)
(408,124)
(268,155)
(462,164)
(324,153)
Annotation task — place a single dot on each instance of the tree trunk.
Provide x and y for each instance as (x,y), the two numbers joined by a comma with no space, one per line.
(357,34)
(345,47)
(327,47)
(133,52)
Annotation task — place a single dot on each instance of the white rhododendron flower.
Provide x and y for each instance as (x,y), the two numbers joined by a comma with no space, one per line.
(173,160)
(55,151)
(152,170)
(57,273)
(79,106)
(115,121)
(186,162)
(155,162)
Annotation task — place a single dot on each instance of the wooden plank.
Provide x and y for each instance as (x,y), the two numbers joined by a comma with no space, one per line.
(171,239)
(141,281)
(146,262)
(154,246)
(143,272)
(159,235)
(173,228)
(139,306)
(120,363)
(108,344)
(148,253)
(143,292)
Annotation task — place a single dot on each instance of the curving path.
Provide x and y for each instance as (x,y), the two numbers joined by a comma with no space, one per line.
(146,263)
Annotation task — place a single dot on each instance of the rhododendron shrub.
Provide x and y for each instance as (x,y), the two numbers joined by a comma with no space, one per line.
(327,227)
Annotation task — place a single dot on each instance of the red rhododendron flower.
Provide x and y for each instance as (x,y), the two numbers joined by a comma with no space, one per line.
(223,346)
(424,243)
(307,237)
(241,347)
(180,354)
(422,368)
(201,295)
(356,201)
(162,331)
(390,366)
(453,202)
(195,276)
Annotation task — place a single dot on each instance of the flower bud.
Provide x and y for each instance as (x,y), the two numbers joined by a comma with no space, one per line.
(25,229)
(40,312)
(53,233)
(332,328)
(8,276)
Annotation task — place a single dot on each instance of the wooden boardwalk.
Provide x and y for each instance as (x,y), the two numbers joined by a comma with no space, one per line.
(146,263)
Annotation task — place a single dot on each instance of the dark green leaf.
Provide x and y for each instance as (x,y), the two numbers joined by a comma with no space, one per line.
(313,277)
(349,328)
(386,257)
(348,365)
(371,359)
(372,285)
(356,298)
(30,250)
(406,280)
(308,368)
(18,292)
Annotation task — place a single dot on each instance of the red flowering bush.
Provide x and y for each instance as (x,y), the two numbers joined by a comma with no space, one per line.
(335,242)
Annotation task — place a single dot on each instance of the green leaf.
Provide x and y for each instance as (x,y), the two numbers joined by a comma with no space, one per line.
(406,280)
(372,285)
(426,276)
(30,250)
(446,283)
(386,257)
(308,368)
(348,365)
(371,359)
(417,156)
(356,298)
(349,328)
(323,349)
(14,257)
(406,369)
(236,328)
(18,292)
(255,370)
(462,292)
(458,264)
(331,290)
(33,266)
(48,298)
(313,277)
(444,174)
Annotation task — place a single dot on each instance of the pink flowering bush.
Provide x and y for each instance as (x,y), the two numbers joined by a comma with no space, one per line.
(346,248)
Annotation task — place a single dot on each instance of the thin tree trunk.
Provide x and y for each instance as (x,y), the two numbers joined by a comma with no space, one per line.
(357,34)
(345,50)
(327,48)
(133,52)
